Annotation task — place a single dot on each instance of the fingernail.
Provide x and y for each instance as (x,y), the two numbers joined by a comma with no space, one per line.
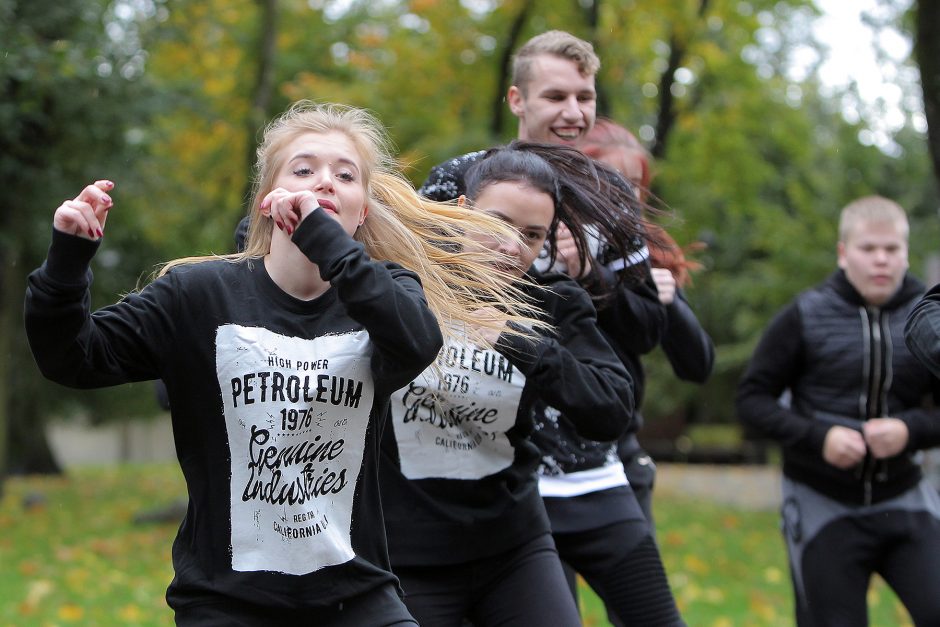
(100,233)
(91,233)
(106,198)
(290,230)
(279,225)
(109,183)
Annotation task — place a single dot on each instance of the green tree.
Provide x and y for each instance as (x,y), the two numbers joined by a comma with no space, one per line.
(70,76)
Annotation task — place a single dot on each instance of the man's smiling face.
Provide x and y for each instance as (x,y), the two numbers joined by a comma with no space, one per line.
(558,105)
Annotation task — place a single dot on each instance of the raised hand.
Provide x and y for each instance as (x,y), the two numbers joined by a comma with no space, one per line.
(665,284)
(567,252)
(85,215)
(288,209)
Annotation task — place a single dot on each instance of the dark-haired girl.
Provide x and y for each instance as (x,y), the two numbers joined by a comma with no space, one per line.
(468,533)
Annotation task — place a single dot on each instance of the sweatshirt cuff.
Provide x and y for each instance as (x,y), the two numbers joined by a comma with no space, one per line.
(69,258)
(817,436)
(522,351)
(324,242)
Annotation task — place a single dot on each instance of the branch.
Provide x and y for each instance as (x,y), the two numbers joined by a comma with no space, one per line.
(505,62)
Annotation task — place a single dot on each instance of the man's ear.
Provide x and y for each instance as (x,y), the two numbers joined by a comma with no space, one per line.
(840,251)
(516,100)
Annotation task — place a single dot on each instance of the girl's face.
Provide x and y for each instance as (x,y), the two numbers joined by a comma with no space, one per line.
(625,160)
(530,211)
(328,165)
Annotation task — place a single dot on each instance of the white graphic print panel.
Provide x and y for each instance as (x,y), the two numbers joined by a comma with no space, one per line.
(452,424)
(296,411)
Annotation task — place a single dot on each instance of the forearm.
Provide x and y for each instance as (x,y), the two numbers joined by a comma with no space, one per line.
(387,300)
(686,344)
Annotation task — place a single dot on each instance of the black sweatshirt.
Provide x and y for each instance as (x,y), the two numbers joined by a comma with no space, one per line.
(277,405)
(460,478)
(843,362)
(922,330)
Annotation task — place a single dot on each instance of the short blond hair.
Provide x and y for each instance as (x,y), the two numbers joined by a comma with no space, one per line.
(560,44)
(871,209)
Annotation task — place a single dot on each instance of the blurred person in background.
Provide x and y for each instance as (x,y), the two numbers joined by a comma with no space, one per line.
(855,501)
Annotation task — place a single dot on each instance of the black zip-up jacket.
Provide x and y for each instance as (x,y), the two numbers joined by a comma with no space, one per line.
(843,362)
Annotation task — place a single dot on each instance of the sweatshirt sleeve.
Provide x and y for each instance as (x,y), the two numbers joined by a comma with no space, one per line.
(922,330)
(77,348)
(774,366)
(688,347)
(633,317)
(576,371)
(385,298)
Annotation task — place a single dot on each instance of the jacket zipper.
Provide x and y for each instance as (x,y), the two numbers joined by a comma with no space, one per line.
(873,408)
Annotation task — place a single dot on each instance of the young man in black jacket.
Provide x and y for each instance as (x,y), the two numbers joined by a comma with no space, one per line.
(855,501)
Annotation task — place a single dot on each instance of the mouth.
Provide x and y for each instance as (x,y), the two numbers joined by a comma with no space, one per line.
(326,205)
(568,133)
(508,268)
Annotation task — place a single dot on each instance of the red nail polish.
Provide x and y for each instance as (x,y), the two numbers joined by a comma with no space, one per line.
(90,232)
(100,233)
(106,199)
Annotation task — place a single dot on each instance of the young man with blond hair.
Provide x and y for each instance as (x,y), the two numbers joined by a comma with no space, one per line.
(854,499)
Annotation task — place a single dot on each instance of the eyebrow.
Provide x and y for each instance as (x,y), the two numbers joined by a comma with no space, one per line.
(507,220)
(559,90)
(313,155)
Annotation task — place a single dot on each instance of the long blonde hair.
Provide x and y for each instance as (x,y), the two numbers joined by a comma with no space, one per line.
(427,237)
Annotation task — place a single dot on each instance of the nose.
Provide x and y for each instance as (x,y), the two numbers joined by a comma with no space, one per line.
(510,248)
(324,180)
(572,110)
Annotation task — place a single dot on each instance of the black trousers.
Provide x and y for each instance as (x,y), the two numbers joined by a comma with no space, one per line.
(381,607)
(837,565)
(522,587)
(622,565)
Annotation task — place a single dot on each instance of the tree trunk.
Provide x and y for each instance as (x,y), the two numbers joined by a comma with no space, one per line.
(29,450)
(667,114)
(505,69)
(264,84)
(6,352)
(927,49)
(592,19)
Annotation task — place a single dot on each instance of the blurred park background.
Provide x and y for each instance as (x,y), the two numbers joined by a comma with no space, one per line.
(756,150)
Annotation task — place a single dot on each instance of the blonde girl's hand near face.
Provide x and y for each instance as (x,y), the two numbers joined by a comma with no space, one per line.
(288,209)
(85,215)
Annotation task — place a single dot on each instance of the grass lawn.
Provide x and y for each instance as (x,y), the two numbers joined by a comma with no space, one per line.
(70,553)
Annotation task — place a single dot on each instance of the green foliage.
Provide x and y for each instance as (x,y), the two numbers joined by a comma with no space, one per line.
(72,91)
(158,96)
